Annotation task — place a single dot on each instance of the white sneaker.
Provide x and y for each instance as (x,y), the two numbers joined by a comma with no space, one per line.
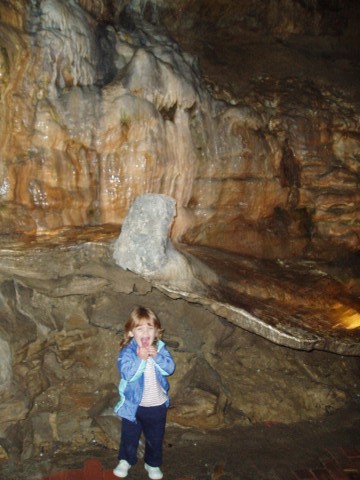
(122,469)
(154,472)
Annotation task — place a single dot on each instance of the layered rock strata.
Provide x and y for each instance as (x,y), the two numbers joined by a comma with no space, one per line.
(98,105)
(62,311)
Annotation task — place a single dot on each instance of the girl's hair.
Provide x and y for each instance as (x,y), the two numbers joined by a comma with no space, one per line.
(137,316)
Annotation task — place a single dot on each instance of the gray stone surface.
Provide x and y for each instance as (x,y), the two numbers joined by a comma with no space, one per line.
(5,364)
(143,244)
(144,247)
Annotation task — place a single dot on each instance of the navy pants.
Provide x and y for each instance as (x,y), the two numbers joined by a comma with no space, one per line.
(150,421)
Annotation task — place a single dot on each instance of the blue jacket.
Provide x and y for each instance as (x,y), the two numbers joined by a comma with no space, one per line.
(131,369)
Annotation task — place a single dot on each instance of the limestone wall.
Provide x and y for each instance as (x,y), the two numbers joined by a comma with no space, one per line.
(259,148)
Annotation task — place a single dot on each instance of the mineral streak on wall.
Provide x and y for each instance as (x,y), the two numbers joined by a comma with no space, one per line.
(98,105)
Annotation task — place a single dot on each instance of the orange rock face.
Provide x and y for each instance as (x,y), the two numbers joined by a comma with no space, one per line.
(259,147)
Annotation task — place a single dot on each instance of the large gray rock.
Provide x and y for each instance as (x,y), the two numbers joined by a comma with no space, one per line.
(144,245)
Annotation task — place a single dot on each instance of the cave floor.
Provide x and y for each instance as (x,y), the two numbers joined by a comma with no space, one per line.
(323,449)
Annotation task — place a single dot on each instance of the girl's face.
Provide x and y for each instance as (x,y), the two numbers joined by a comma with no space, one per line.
(144,333)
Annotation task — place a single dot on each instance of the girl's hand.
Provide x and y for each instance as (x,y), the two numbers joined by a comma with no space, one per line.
(143,353)
(152,351)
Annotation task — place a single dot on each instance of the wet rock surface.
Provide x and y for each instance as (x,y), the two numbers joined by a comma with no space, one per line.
(246,113)
(297,303)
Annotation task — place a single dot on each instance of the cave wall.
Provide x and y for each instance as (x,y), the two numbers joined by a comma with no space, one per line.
(99,104)
(62,312)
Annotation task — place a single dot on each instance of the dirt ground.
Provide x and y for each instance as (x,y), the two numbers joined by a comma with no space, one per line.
(256,452)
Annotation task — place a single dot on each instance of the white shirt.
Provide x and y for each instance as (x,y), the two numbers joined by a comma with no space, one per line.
(153,394)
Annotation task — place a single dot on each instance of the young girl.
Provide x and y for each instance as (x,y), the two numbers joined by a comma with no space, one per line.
(144,363)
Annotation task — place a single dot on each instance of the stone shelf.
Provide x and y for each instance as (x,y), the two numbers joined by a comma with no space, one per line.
(294,304)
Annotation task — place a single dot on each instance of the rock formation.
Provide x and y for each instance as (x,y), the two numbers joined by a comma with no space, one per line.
(99,104)
(143,246)
(62,311)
